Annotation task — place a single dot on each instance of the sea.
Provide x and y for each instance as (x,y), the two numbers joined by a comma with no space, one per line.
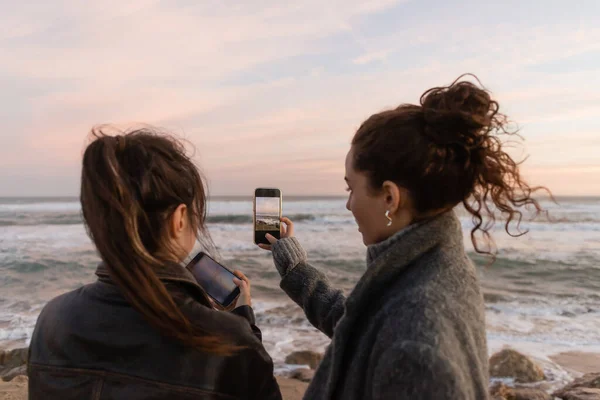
(542,293)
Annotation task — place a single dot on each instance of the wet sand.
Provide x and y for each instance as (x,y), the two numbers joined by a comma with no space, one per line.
(578,361)
(294,390)
(17,389)
(14,390)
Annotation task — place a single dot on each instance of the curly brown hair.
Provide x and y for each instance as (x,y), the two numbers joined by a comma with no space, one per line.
(446,151)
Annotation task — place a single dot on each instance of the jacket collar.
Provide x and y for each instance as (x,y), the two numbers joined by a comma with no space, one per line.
(171,272)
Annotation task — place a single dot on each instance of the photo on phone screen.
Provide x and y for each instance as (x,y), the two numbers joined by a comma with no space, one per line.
(215,279)
(267,214)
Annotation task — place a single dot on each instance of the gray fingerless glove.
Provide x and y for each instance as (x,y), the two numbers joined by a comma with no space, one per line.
(287,253)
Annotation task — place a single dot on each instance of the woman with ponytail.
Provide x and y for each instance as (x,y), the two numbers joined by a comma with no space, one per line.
(145,329)
(413,327)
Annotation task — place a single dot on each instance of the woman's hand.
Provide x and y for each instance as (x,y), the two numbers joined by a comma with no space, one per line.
(287,230)
(245,299)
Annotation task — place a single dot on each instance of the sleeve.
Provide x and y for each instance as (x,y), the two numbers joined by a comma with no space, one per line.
(307,286)
(415,371)
(247,313)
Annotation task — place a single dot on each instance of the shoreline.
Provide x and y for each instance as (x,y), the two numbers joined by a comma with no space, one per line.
(16,389)
(573,364)
(577,361)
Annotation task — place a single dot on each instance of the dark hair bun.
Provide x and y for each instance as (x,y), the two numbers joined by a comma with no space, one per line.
(461,113)
(446,151)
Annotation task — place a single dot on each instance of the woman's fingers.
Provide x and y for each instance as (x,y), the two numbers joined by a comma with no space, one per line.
(241,276)
(265,246)
(243,283)
(289,227)
(271,238)
(287,230)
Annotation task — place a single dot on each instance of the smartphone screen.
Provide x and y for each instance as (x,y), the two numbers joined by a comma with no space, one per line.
(267,213)
(214,278)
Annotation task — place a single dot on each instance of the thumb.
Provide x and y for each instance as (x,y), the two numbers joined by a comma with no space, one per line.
(271,238)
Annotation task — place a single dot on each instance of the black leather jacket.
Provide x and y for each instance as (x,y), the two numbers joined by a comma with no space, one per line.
(91,344)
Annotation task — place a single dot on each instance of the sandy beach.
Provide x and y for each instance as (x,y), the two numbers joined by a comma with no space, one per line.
(17,389)
(14,390)
(579,362)
(575,362)
(292,389)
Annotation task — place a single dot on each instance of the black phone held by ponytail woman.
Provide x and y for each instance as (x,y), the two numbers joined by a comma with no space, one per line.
(146,329)
(215,279)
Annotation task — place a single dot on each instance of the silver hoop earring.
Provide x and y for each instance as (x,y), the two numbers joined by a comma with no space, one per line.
(387,215)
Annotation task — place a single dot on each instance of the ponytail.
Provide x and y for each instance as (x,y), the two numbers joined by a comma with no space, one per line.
(130,185)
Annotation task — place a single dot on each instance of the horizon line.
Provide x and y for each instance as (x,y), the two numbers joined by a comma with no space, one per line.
(245,196)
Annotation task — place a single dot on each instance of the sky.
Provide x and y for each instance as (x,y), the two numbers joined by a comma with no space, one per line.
(270,94)
(268,205)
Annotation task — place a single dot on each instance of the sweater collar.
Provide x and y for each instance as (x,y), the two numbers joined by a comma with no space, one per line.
(388,259)
(375,250)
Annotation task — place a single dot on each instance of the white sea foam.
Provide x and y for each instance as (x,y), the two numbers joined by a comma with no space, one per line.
(40,207)
(546,283)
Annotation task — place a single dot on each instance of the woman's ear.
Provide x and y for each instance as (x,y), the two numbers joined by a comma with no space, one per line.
(395,197)
(179,221)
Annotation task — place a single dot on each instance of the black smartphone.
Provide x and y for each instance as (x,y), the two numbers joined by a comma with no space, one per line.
(267,214)
(215,279)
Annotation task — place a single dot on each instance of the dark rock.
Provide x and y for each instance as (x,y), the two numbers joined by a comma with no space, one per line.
(530,394)
(310,358)
(21,380)
(502,392)
(582,394)
(543,385)
(512,364)
(13,357)
(499,391)
(588,381)
(13,363)
(303,374)
(13,373)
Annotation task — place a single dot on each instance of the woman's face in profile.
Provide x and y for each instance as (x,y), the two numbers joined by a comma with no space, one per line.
(367,207)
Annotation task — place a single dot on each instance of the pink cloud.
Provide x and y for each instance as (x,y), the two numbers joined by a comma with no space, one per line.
(148,61)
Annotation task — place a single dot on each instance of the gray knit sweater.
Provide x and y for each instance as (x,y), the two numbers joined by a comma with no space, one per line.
(412,328)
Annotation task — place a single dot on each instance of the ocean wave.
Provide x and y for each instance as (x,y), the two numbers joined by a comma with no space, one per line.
(325,220)
(246,219)
(76,219)
(229,219)
(26,205)
(571,214)
(52,219)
